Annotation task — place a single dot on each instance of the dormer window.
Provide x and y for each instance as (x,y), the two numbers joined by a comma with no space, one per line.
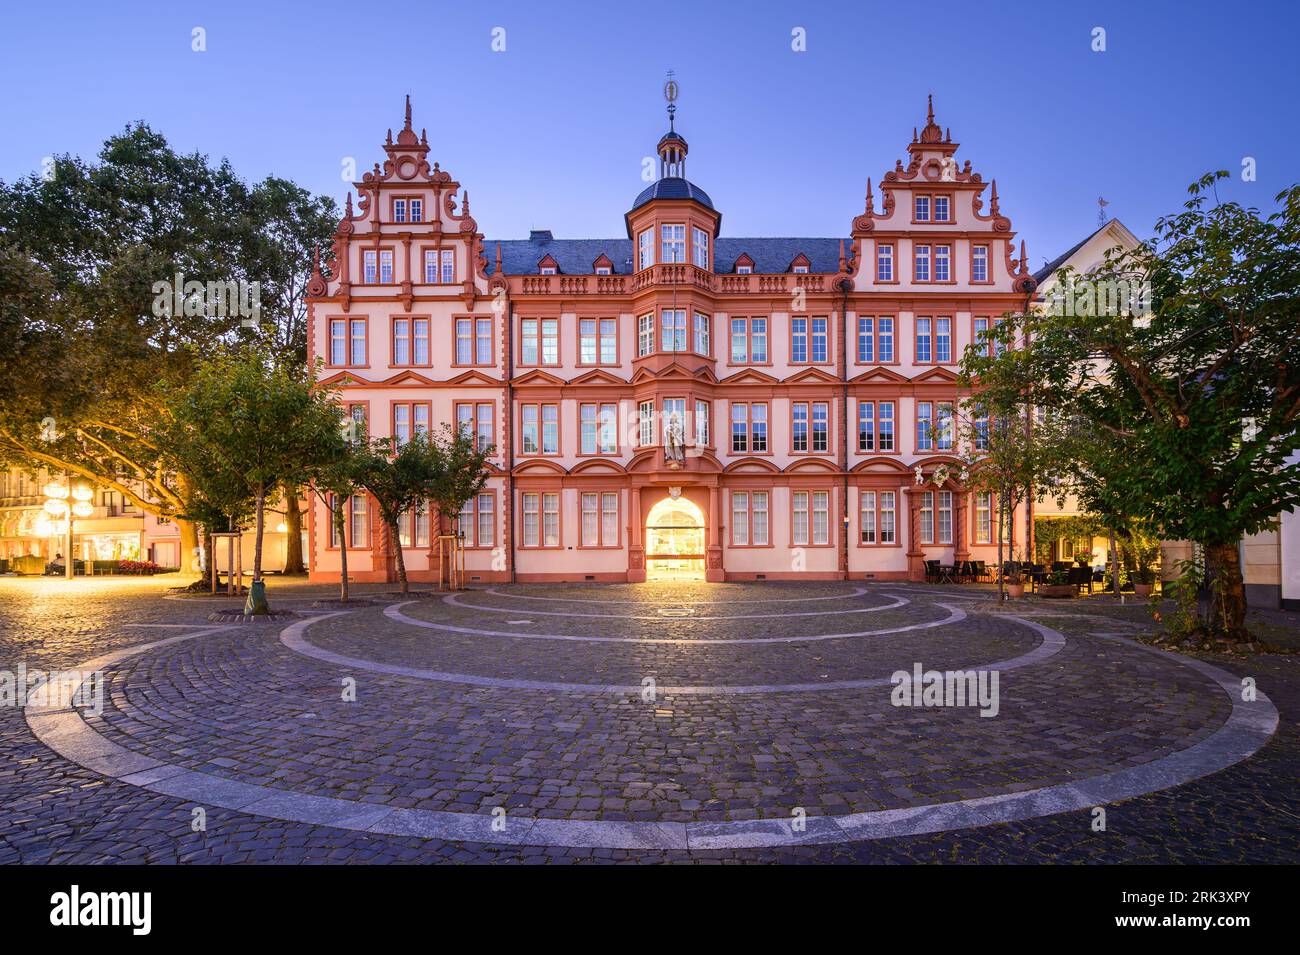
(801,270)
(672,243)
(700,248)
(744,264)
(547,270)
(603,265)
(800,265)
(548,266)
(744,269)
(602,270)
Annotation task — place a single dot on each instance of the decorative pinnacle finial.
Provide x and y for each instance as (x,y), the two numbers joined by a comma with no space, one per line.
(929,101)
(844,266)
(347,209)
(871,200)
(498,269)
(670,94)
(408,111)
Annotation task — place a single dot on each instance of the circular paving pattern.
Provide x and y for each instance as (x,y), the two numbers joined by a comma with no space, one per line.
(583,716)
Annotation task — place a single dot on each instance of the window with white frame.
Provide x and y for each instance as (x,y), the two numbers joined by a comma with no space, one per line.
(672,247)
(799,340)
(598,427)
(645,334)
(811,517)
(410,341)
(885,262)
(820,347)
(884,339)
(369,266)
(598,341)
(410,418)
(979,263)
(672,323)
(942,263)
(399,210)
(702,412)
(942,209)
(749,518)
(645,242)
(473,341)
(439,266)
(925,426)
(980,427)
(749,427)
(701,334)
(700,248)
(358,534)
(921,207)
(476,418)
(983,517)
(541,526)
(924,349)
(417,210)
(599,518)
(748,340)
(386,266)
(477,522)
(927,517)
(921,263)
(943,340)
(539,429)
(887,514)
(943,426)
(744,269)
(539,341)
(945,517)
(645,417)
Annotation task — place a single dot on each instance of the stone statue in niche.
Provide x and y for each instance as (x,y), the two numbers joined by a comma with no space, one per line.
(674,443)
(948,169)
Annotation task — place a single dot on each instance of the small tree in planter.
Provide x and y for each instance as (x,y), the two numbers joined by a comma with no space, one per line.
(334,479)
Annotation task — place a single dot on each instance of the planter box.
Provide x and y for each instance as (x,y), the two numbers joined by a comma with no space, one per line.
(1143,590)
(1056,591)
(1015,591)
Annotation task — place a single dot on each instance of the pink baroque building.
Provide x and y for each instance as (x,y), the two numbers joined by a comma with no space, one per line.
(673,402)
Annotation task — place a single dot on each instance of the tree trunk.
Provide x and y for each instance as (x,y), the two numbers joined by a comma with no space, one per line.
(1227,592)
(210,554)
(189,544)
(401,564)
(293,533)
(257,535)
(336,515)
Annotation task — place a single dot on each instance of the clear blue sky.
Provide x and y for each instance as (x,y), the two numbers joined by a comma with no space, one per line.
(551,132)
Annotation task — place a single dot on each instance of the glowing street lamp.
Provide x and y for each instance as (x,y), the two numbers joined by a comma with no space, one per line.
(58,507)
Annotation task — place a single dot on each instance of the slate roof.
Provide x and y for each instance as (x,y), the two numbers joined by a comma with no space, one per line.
(575,256)
(672,187)
(1048,270)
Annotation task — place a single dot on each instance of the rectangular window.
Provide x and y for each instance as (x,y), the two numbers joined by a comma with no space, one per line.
(739,428)
(799,340)
(672,243)
(921,267)
(476,420)
(799,426)
(401,424)
(417,210)
(759,520)
(399,210)
(819,344)
(541,519)
(922,205)
(599,518)
(943,339)
(866,339)
(539,429)
(369,266)
(980,336)
(927,517)
(758,427)
(430,266)
(702,423)
(941,209)
(980,426)
(924,426)
(701,334)
(887,530)
(942,262)
(945,517)
(758,340)
(979,263)
(448,267)
(700,248)
(338,341)
(983,517)
(866,426)
(482,341)
(821,517)
(943,426)
(357,535)
(923,351)
(540,339)
(598,424)
(477,523)
(820,426)
(739,341)
(597,341)
(867,516)
(550,520)
(645,249)
(464,341)
(420,525)
(740,518)
(799,517)
(673,327)
(386,266)
(645,423)
(885,340)
(885,412)
(884,263)
(358,337)
(590,506)
(645,335)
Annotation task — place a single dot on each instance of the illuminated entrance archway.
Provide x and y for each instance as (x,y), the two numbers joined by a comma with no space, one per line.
(674,541)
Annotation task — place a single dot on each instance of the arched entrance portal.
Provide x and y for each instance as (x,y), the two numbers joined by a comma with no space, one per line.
(674,541)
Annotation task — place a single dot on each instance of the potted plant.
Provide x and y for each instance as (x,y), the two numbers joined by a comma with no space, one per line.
(1143,581)
(1014,584)
(1056,585)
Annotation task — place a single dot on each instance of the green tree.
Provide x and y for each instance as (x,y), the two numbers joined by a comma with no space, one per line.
(462,471)
(400,478)
(251,419)
(100,235)
(1190,395)
(334,478)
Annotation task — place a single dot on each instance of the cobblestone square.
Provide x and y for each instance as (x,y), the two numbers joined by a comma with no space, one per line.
(681,722)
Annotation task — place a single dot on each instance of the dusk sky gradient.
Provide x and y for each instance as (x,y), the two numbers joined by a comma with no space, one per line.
(551,133)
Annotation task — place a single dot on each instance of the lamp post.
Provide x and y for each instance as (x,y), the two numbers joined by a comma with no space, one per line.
(58,506)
